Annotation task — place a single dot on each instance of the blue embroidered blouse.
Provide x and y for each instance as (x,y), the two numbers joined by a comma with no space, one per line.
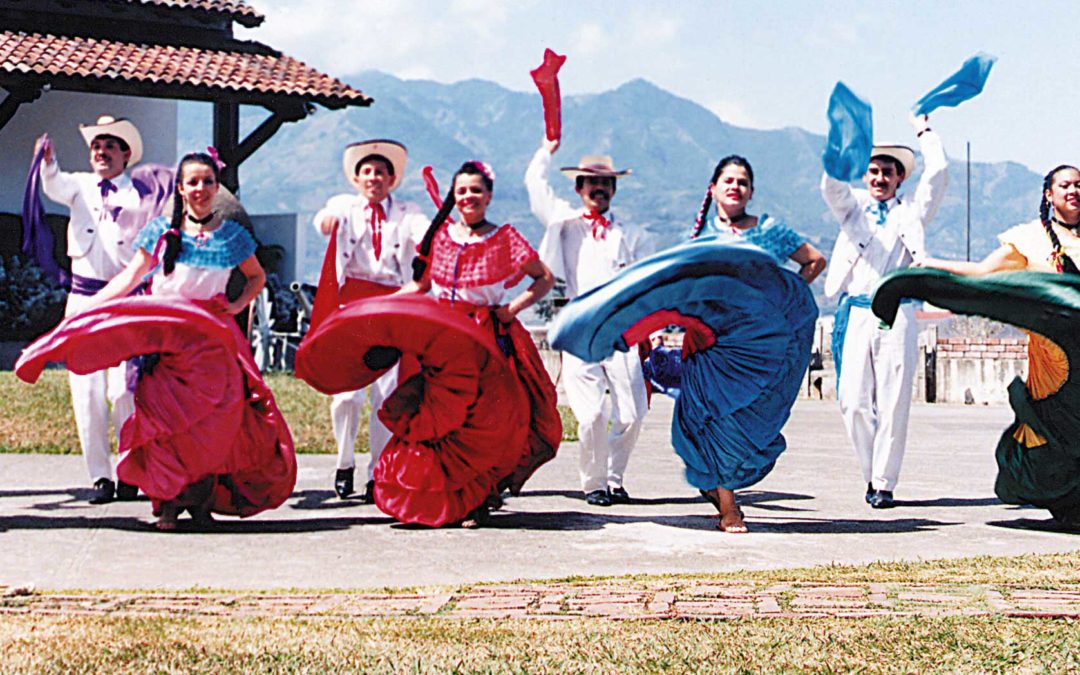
(770,234)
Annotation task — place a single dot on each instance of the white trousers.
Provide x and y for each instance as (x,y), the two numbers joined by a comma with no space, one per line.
(91,396)
(876,379)
(605,452)
(345,411)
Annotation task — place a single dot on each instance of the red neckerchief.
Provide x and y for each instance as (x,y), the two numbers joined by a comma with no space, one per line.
(600,224)
(378,217)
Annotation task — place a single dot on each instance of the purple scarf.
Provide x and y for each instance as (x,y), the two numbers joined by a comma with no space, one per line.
(153,182)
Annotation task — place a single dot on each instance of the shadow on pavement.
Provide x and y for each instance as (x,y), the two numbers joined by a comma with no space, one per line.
(950,501)
(844,525)
(1047,525)
(223,524)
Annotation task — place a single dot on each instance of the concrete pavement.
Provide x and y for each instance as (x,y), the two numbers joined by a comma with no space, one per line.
(809,511)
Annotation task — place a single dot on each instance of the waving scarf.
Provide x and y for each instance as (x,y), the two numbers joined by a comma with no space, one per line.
(851,135)
(965,83)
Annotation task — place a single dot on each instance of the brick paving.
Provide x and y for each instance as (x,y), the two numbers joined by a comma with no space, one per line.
(628,600)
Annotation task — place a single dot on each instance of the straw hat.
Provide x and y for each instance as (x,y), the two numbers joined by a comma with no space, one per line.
(393,151)
(594,165)
(120,128)
(901,153)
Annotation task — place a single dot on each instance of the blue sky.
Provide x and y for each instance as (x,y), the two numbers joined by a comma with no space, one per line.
(755,64)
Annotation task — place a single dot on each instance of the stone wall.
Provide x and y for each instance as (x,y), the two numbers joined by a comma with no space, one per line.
(975,370)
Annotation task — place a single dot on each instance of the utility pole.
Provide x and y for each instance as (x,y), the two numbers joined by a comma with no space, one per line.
(968,201)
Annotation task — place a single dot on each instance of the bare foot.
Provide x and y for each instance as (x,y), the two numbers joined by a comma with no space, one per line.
(731,516)
(477,517)
(732,522)
(166,521)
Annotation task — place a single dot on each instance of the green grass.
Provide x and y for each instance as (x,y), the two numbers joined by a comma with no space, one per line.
(73,644)
(38,418)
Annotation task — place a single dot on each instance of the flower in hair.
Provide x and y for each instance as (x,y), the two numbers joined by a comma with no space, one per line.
(484,168)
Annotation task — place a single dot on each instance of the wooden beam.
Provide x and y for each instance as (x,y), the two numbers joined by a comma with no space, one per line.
(15,98)
(226,140)
(279,116)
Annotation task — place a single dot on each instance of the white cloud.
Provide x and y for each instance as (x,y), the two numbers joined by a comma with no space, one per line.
(733,112)
(590,39)
(650,28)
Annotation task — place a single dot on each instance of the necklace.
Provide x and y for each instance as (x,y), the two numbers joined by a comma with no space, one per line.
(201,221)
(477,225)
(733,221)
(1072,228)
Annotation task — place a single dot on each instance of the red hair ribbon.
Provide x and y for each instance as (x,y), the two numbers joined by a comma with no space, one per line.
(432,187)
(546,77)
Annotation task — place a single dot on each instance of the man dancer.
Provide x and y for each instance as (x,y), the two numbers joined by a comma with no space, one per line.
(879,232)
(585,247)
(99,239)
(375,241)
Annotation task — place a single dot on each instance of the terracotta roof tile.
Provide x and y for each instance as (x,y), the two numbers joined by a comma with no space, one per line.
(239,10)
(262,73)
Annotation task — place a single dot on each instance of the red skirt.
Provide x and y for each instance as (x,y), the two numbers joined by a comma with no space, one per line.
(459,417)
(202,410)
(545,425)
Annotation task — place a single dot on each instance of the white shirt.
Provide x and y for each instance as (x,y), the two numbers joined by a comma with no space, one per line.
(99,248)
(402,230)
(865,251)
(568,247)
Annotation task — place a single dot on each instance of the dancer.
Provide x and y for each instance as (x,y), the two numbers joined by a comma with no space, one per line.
(749,325)
(480,415)
(880,231)
(99,243)
(1038,457)
(373,239)
(206,434)
(586,247)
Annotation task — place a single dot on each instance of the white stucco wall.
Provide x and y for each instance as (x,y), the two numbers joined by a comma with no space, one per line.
(59,113)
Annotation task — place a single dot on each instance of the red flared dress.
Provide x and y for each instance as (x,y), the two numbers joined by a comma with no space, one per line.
(472,417)
(201,408)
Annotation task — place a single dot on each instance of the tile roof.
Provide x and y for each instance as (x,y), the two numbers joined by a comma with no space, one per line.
(262,73)
(237,9)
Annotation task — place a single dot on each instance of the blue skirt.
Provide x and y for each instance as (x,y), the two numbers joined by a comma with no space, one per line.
(750,323)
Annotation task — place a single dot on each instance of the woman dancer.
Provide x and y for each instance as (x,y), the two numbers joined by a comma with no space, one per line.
(473,266)
(480,414)
(748,324)
(206,434)
(731,189)
(1038,457)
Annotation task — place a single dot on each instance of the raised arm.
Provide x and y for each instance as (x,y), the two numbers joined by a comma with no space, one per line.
(935,177)
(545,205)
(841,201)
(58,186)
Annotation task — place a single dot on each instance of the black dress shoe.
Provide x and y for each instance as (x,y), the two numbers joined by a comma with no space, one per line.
(870,492)
(598,498)
(618,495)
(882,499)
(343,482)
(104,489)
(369,493)
(126,492)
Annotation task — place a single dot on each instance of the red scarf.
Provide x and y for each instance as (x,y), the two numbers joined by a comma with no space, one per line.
(600,224)
(378,217)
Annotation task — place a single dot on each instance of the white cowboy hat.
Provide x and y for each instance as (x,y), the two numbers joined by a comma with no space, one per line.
(393,151)
(594,165)
(120,128)
(901,153)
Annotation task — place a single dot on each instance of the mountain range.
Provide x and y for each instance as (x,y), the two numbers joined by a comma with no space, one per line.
(670,143)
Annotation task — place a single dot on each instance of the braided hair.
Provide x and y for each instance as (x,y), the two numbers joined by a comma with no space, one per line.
(1062,259)
(172,235)
(470,168)
(703,212)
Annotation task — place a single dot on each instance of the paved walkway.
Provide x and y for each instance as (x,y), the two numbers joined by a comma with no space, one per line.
(809,511)
(622,600)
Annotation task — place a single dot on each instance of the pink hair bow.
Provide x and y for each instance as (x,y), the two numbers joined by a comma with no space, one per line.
(212,151)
